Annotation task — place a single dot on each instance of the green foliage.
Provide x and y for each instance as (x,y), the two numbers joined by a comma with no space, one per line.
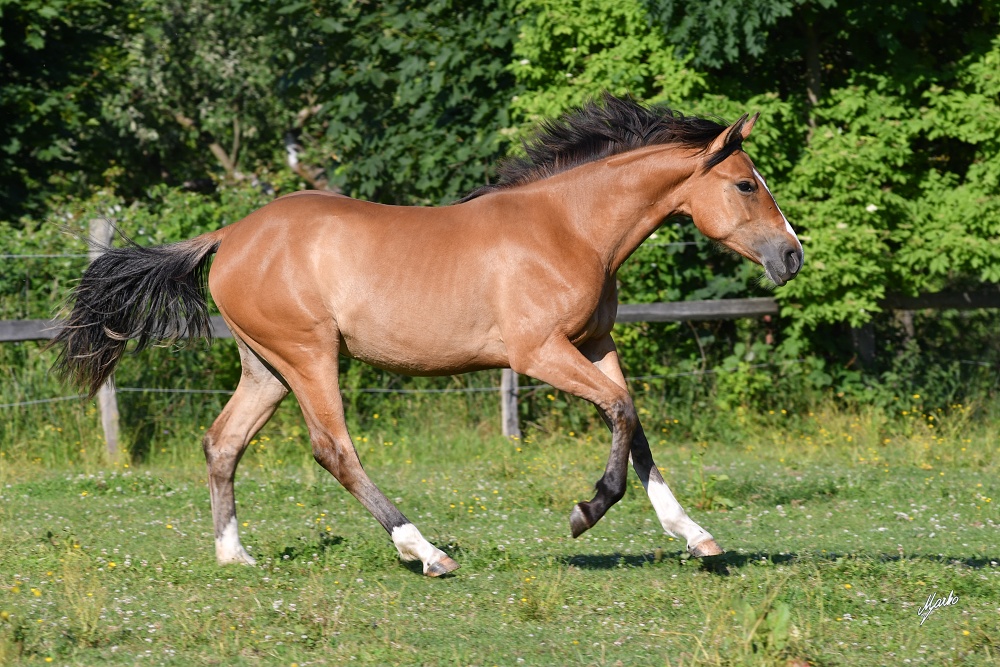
(766,630)
(958,223)
(888,170)
(570,51)
(50,94)
(876,136)
(407,103)
(771,44)
(808,572)
(397,103)
(715,33)
(49,256)
(882,180)
(195,93)
(850,191)
(708,497)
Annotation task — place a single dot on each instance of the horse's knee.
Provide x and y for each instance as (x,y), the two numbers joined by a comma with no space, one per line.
(623,416)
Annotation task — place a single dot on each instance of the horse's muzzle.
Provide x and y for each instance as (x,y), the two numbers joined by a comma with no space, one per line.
(782,262)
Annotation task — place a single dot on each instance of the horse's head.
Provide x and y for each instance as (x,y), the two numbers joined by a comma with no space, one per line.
(733,206)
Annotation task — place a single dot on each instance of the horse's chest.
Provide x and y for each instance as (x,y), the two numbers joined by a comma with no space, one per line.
(601,319)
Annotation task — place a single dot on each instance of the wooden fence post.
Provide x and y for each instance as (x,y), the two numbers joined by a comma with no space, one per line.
(101,233)
(508,404)
(863,342)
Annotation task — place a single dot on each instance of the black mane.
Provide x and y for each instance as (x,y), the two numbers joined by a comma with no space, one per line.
(601,129)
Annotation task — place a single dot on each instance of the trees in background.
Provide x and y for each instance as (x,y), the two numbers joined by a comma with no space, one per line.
(878,129)
(401,102)
(393,101)
(55,57)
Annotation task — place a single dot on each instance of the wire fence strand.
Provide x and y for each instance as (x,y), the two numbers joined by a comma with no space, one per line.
(39,401)
(155,390)
(53,256)
(450,390)
(382,390)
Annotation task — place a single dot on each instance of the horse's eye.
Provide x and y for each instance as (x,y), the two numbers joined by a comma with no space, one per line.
(746,186)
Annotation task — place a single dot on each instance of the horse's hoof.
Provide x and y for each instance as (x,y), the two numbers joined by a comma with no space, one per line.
(239,558)
(443,566)
(578,521)
(705,549)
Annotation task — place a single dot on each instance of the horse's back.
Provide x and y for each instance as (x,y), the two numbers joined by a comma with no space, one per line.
(404,288)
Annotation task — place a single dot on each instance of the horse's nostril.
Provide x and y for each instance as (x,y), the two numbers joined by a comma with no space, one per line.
(792,261)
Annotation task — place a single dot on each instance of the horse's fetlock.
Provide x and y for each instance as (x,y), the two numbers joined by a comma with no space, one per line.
(617,495)
(613,491)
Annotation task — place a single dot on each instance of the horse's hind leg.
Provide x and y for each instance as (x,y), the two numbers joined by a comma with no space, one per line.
(313,378)
(255,400)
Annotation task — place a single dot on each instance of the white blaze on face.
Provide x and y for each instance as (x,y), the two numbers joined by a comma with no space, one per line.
(412,546)
(788,227)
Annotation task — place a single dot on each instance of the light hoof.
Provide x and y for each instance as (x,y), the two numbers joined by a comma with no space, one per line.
(242,559)
(578,521)
(443,566)
(705,549)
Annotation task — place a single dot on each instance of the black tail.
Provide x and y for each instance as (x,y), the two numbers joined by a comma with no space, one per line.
(134,293)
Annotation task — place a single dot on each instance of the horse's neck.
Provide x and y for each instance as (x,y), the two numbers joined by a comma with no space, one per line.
(618,202)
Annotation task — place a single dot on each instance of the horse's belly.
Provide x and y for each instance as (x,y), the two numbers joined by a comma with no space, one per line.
(425,352)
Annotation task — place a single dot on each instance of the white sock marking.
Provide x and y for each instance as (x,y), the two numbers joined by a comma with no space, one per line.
(672,516)
(412,545)
(228,548)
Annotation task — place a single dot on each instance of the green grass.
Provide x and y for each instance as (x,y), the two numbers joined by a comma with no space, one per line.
(835,538)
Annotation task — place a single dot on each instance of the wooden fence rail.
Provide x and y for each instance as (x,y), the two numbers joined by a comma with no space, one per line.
(678,311)
(12,331)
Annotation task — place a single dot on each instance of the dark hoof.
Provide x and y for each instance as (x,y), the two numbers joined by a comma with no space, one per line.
(578,521)
(443,566)
(705,549)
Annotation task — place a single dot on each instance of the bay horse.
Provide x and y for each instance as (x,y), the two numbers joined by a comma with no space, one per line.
(519,274)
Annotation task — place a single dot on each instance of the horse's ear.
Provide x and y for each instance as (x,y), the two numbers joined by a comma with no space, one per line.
(733,133)
(729,140)
(748,125)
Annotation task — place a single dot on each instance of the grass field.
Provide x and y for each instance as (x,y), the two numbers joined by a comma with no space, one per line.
(837,529)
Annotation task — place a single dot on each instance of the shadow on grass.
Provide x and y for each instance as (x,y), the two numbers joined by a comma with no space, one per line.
(331,542)
(614,561)
(726,563)
(971,562)
(321,545)
(717,564)
(416,567)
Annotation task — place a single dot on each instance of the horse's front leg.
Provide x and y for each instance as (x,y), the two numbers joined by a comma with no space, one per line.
(559,363)
(673,518)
